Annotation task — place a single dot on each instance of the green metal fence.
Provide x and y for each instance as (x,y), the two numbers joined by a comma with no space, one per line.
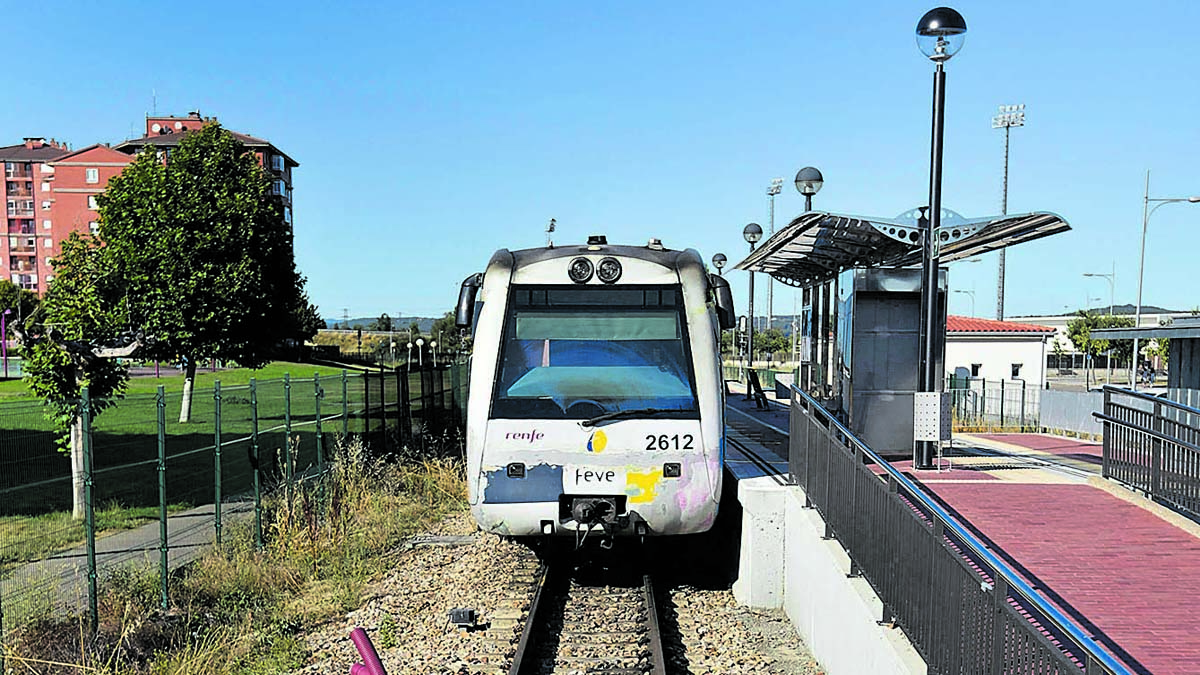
(192,478)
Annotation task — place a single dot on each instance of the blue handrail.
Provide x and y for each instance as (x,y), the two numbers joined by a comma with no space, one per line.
(977,548)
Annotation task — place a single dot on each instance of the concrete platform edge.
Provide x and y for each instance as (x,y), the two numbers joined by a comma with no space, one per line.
(786,561)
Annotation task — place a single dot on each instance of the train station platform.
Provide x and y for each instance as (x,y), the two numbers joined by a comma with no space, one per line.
(784,559)
(1122,567)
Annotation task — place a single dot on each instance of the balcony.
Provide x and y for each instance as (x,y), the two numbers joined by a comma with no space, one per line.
(19,191)
(21,213)
(17,170)
(21,227)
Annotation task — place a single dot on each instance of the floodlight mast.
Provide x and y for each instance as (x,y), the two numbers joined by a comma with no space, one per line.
(775,188)
(1009,116)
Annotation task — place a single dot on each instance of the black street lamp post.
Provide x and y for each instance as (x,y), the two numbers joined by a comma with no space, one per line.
(808,183)
(940,34)
(752,233)
(718,262)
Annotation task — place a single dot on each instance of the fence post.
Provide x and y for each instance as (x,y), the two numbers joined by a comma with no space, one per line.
(400,406)
(406,403)
(287,435)
(254,451)
(89,522)
(163,570)
(1022,405)
(999,629)
(1156,451)
(318,394)
(1001,403)
(217,459)
(455,385)
(366,380)
(1106,436)
(345,405)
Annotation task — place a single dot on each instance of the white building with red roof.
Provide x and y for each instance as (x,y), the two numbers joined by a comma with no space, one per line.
(997,350)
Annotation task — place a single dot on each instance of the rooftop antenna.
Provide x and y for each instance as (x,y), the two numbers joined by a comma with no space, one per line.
(549,232)
(154,100)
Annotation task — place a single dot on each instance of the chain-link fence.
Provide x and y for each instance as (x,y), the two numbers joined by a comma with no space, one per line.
(65,516)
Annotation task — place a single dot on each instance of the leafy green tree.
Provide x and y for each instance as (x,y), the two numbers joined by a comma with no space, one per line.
(1060,351)
(1079,330)
(62,350)
(769,342)
(202,254)
(21,303)
(383,323)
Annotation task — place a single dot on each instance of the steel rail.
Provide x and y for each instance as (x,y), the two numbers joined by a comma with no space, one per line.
(521,657)
(1149,432)
(978,551)
(655,630)
(1152,399)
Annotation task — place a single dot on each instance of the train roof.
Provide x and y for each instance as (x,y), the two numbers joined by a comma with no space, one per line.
(653,252)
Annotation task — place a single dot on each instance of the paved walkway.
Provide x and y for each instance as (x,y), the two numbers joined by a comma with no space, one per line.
(61,581)
(1124,568)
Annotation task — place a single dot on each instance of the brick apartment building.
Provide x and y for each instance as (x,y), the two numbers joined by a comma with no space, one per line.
(50,191)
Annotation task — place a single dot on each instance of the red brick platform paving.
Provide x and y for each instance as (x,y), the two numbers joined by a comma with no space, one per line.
(1054,445)
(1132,576)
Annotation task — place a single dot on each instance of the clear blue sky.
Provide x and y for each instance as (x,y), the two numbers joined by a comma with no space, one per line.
(431,134)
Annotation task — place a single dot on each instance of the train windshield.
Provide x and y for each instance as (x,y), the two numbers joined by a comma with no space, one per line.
(578,352)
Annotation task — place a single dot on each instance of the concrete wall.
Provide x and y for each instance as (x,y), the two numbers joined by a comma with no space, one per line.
(785,561)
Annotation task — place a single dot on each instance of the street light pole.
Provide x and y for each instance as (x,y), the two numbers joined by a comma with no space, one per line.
(972,296)
(940,34)
(1010,116)
(1112,278)
(1146,213)
(752,233)
(775,188)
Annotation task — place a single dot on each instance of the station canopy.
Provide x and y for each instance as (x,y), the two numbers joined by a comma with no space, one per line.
(817,246)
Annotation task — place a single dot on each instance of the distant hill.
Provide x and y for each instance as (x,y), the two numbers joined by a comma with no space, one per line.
(1124,310)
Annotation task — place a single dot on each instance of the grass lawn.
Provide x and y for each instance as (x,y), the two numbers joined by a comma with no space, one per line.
(35,475)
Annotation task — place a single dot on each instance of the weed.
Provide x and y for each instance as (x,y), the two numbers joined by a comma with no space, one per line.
(241,610)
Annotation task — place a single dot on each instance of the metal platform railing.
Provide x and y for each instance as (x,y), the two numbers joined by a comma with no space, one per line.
(1152,444)
(965,610)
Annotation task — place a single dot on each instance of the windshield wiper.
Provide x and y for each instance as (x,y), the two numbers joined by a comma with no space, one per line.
(633,412)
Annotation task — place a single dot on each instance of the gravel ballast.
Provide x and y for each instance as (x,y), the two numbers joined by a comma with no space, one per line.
(405,613)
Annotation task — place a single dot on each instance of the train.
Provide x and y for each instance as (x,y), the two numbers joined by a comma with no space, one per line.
(596,401)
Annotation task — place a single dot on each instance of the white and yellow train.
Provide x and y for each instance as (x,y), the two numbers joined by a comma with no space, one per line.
(596,403)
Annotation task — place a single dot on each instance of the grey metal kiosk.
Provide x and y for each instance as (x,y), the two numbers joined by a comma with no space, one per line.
(862,319)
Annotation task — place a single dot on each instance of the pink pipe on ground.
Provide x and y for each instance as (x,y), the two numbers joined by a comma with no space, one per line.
(373,666)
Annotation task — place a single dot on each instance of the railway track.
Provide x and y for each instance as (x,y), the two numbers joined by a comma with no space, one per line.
(601,621)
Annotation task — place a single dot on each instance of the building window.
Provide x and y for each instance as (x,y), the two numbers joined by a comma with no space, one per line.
(45,186)
(277,163)
(92,202)
(46,224)
(46,205)
(975,368)
(287,215)
(94,227)
(92,175)
(1016,370)
(47,259)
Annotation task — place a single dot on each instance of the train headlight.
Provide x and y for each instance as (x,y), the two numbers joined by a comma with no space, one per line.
(580,270)
(609,270)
